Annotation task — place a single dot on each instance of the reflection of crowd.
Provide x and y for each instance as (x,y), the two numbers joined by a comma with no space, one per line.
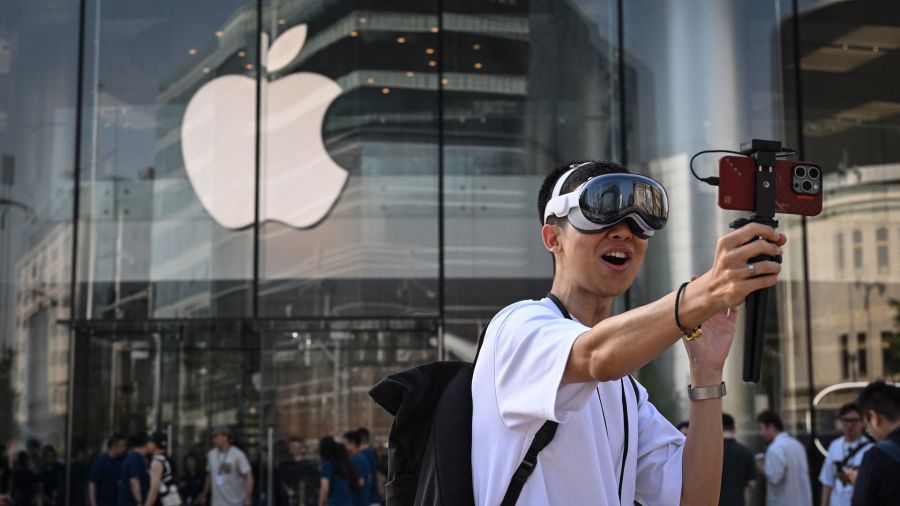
(137,471)
(33,476)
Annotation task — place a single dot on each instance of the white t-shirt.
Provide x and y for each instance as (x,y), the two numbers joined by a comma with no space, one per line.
(226,476)
(517,386)
(841,495)
(787,473)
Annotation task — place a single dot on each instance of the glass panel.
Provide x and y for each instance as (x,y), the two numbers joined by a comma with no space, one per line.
(316,377)
(529,86)
(850,112)
(705,76)
(165,222)
(38,62)
(182,381)
(349,180)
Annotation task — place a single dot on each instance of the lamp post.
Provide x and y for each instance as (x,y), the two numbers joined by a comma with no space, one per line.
(867,287)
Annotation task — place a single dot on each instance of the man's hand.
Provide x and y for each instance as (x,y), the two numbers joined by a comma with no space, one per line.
(707,353)
(850,474)
(730,279)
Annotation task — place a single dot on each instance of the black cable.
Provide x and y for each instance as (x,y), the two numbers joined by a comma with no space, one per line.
(714,181)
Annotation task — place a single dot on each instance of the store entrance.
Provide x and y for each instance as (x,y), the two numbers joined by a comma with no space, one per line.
(184,380)
(279,386)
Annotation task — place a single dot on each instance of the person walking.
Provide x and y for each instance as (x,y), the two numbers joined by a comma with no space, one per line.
(103,479)
(134,481)
(844,453)
(785,467)
(190,486)
(738,466)
(229,475)
(337,475)
(163,491)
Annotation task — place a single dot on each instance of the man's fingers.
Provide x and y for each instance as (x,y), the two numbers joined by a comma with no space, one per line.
(749,232)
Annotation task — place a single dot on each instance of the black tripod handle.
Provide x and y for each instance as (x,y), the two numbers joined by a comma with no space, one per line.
(754,332)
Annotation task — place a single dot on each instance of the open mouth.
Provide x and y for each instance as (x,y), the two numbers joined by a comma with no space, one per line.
(617,258)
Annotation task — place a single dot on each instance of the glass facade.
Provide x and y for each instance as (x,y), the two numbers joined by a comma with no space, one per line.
(246,213)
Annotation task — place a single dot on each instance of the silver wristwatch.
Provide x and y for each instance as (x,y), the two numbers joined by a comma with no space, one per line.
(703,393)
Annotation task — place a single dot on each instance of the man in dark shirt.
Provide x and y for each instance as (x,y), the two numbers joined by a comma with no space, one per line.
(103,480)
(738,467)
(878,477)
(134,480)
(297,479)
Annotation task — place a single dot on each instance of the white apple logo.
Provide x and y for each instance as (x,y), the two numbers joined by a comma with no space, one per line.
(300,182)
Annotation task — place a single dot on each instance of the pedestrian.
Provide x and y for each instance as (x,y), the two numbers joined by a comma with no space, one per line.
(844,453)
(566,358)
(190,486)
(361,466)
(229,474)
(103,480)
(297,478)
(23,483)
(374,492)
(337,474)
(134,481)
(52,479)
(785,466)
(738,466)
(163,491)
(878,477)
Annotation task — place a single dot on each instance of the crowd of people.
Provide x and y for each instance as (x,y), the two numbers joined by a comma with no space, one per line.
(138,471)
(851,475)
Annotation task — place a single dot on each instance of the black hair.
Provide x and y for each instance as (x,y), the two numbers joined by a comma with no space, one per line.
(769,417)
(363,435)
(160,439)
(352,437)
(727,422)
(850,406)
(112,440)
(138,440)
(331,451)
(585,171)
(881,398)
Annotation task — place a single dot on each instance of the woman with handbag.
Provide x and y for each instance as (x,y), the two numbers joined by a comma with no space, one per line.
(163,491)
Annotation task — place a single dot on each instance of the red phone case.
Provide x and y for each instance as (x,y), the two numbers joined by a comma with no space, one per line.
(737,187)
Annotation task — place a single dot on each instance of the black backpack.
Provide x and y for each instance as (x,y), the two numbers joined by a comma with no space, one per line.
(430,442)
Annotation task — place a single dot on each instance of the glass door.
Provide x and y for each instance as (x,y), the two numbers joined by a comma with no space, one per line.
(184,380)
(315,381)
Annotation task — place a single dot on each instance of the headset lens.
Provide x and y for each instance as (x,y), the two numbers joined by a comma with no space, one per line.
(608,199)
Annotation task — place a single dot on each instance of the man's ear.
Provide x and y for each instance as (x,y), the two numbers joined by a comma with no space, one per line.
(550,234)
(872,418)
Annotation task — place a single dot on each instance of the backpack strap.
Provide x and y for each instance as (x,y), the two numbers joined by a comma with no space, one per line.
(891,448)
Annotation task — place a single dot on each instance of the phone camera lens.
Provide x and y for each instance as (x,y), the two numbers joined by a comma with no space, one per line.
(807,186)
(814,173)
(800,171)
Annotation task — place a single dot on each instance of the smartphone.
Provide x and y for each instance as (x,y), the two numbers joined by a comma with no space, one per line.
(798,186)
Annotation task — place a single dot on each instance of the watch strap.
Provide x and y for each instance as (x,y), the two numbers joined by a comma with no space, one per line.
(707,392)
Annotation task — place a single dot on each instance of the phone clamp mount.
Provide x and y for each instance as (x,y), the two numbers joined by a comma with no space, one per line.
(764,152)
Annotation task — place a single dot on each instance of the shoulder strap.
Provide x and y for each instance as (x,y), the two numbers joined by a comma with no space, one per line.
(863,444)
(542,438)
(891,448)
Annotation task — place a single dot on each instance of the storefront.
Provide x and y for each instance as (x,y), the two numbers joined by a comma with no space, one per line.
(244,214)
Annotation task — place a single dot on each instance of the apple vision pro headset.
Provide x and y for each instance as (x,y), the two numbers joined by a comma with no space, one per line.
(603,201)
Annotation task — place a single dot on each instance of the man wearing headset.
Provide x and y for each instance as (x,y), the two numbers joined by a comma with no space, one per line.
(565,359)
